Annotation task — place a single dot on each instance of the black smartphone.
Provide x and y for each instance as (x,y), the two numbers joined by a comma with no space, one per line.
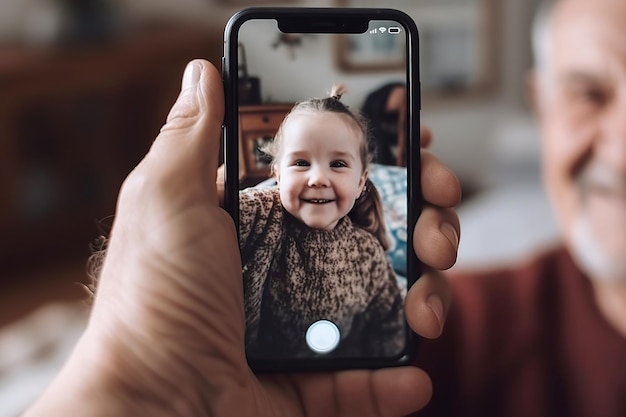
(322,169)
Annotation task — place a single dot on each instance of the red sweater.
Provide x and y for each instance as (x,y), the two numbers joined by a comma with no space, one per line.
(526,342)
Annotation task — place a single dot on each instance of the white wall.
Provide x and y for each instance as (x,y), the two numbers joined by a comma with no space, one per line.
(287,79)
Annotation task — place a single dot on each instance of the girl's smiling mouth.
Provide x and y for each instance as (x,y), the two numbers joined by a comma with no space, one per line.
(317,201)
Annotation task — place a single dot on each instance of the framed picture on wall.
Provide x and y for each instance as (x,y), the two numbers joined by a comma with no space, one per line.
(457,45)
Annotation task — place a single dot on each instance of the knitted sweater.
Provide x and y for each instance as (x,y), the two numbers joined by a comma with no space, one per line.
(295,275)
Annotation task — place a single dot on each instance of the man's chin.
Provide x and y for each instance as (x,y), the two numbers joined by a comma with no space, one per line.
(598,261)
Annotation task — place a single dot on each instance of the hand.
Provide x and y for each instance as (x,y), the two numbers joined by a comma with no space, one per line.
(166,333)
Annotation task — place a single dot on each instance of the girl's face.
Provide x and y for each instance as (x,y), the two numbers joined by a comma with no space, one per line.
(320,172)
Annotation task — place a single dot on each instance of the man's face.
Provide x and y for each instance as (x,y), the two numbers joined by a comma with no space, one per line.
(320,172)
(582,109)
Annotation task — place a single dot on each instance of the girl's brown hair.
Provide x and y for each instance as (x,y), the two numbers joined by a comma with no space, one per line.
(367,212)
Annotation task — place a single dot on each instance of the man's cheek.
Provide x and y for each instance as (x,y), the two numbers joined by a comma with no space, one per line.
(606,215)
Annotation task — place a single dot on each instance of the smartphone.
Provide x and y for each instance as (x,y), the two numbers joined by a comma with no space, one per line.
(324,188)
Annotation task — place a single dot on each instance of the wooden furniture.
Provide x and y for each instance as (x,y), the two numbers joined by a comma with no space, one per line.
(74,121)
(257,126)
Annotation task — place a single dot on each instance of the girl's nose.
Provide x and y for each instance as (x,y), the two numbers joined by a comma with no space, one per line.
(318,178)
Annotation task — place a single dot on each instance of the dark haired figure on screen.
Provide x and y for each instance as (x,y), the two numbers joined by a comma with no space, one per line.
(385,108)
(313,247)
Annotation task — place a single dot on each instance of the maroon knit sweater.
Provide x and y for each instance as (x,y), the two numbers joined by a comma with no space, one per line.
(527,342)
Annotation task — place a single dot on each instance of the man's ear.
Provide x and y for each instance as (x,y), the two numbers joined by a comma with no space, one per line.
(532,91)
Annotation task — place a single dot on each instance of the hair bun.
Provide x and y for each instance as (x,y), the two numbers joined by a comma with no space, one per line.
(337,91)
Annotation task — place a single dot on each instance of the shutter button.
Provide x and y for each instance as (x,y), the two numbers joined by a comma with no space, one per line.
(323,336)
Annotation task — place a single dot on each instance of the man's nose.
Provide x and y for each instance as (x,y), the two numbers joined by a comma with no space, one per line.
(318,177)
(611,144)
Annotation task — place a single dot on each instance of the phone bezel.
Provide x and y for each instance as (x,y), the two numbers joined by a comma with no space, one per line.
(332,20)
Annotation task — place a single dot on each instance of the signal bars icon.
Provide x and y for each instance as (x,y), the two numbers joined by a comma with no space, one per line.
(382,29)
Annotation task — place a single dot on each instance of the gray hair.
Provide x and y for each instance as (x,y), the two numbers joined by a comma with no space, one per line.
(540,35)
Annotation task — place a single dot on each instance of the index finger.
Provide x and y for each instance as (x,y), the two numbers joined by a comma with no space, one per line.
(426,136)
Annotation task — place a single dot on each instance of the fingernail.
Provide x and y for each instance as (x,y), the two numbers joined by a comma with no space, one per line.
(436,306)
(450,232)
(191,77)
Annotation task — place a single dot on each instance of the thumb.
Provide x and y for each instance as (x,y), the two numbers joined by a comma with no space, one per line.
(189,142)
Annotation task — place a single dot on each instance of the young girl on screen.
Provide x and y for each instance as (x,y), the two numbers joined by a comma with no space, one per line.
(313,247)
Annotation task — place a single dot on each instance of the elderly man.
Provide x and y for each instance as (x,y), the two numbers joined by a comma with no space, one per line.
(549,338)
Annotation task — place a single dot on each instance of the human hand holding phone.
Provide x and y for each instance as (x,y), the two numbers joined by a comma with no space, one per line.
(166,332)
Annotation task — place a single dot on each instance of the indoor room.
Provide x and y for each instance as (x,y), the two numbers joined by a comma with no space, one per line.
(85,87)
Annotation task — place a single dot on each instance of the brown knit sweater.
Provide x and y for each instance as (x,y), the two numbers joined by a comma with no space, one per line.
(295,275)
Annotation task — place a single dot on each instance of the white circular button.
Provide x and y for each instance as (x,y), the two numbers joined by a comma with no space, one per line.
(323,336)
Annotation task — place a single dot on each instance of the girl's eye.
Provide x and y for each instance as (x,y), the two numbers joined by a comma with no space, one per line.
(301,163)
(338,164)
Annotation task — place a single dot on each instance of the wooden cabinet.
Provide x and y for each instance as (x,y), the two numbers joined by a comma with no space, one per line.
(257,126)
(74,121)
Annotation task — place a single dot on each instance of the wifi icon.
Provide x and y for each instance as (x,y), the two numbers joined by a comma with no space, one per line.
(382,29)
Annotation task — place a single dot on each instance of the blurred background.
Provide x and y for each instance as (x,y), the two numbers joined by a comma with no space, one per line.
(85,86)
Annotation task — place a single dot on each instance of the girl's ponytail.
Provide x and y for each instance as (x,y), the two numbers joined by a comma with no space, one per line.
(367,213)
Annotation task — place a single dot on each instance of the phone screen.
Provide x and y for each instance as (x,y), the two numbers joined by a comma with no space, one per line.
(324,131)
